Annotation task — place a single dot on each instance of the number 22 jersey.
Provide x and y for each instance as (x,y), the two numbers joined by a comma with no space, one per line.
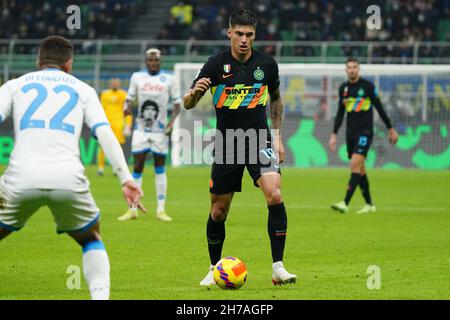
(49,108)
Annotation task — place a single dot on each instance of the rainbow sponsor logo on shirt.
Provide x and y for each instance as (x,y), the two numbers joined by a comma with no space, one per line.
(357,104)
(239,95)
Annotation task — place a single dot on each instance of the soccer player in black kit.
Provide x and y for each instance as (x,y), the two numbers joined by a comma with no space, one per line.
(358,97)
(241,80)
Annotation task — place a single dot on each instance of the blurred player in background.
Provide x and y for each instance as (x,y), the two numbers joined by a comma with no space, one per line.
(113,101)
(154,90)
(357,98)
(49,108)
(242,80)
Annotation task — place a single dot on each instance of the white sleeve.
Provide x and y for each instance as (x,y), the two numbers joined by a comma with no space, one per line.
(114,153)
(94,114)
(132,89)
(5,102)
(175,95)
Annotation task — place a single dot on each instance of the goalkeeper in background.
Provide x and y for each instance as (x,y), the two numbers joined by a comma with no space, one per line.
(113,101)
(357,98)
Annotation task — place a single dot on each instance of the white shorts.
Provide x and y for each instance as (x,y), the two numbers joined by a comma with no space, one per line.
(72,211)
(157,143)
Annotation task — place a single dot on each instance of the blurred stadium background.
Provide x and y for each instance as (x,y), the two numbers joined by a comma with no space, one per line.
(407,238)
(309,38)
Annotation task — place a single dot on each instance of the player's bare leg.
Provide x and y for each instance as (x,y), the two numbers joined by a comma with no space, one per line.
(215,231)
(161,187)
(95,261)
(270,185)
(139,164)
(4,233)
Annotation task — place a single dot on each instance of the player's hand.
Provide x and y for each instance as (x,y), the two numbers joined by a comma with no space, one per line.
(168,129)
(332,142)
(127,108)
(127,131)
(201,86)
(393,136)
(133,194)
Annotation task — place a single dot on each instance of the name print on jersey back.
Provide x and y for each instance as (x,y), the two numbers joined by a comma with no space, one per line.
(49,108)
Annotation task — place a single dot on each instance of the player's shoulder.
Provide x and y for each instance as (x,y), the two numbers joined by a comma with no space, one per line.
(163,73)
(49,77)
(166,72)
(343,85)
(367,82)
(265,57)
(140,73)
(218,58)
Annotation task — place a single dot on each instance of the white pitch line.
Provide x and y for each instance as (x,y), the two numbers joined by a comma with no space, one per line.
(303,206)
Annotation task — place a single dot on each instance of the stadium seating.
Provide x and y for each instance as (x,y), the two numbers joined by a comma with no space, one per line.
(36,19)
(323,20)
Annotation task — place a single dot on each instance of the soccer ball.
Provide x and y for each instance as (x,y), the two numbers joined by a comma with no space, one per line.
(230,273)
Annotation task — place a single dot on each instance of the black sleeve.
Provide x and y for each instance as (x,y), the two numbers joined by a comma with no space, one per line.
(208,70)
(274,80)
(340,113)
(378,105)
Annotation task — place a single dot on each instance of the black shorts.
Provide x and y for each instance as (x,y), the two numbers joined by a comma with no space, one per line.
(226,178)
(359,144)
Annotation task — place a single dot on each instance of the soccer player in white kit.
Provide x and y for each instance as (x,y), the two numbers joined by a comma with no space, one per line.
(49,108)
(155,90)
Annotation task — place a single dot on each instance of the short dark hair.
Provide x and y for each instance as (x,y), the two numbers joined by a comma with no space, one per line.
(55,50)
(352,59)
(242,17)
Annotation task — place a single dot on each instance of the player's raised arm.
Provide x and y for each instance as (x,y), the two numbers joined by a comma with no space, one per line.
(192,97)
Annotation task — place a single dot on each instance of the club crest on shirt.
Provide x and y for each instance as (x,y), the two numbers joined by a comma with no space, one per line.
(258,74)
(361,92)
(227,68)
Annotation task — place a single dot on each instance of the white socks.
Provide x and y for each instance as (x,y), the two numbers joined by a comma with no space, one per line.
(161,189)
(137,178)
(96,270)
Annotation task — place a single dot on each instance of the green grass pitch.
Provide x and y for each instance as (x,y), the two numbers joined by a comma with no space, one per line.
(408,239)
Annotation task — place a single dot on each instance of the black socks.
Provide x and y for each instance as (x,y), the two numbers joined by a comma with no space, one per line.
(352,185)
(276,227)
(364,186)
(215,234)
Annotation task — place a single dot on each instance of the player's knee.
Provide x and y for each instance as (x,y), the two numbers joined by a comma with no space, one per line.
(219,213)
(363,170)
(274,197)
(138,168)
(83,238)
(355,166)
